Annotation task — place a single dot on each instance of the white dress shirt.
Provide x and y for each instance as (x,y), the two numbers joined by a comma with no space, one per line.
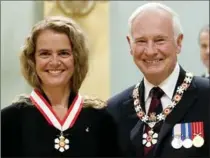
(206,74)
(168,86)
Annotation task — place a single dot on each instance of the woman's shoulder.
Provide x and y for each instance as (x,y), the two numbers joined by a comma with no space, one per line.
(12,122)
(22,99)
(96,107)
(18,103)
(93,102)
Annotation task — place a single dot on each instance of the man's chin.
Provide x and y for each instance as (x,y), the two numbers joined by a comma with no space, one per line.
(153,71)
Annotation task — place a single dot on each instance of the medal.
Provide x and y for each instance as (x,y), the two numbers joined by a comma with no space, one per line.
(198,134)
(149,138)
(177,137)
(61,142)
(176,142)
(187,134)
(187,143)
(198,141)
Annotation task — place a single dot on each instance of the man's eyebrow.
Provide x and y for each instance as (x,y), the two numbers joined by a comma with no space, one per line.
(139,38)
(161,36)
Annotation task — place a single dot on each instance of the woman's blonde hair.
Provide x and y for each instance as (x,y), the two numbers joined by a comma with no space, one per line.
(79,48)
(88,101)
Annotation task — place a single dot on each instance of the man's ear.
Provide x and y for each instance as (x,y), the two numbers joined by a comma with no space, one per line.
(179,43)
(129,42)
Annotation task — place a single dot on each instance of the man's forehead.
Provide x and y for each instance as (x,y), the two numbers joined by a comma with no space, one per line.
(152,36)
(153,13)
(151,19)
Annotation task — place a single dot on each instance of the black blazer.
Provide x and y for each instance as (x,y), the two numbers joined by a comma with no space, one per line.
(193,107)
(26,133)
(204,75)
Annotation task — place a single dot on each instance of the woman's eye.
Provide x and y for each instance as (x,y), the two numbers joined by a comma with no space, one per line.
(44,54)
(64,54)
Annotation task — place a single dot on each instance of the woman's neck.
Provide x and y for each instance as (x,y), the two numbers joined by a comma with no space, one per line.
(58,96)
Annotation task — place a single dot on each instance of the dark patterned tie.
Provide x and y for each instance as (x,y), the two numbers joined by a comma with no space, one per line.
(155,107)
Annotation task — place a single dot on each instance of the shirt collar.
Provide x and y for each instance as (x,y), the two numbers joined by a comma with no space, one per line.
(207,74)
(168,85)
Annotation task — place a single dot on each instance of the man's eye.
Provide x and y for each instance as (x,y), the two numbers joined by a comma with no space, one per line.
(140,41)
(160,40)
(203,46)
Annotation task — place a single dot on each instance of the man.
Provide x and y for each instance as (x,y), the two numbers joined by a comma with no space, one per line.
(204,48)
(166,114)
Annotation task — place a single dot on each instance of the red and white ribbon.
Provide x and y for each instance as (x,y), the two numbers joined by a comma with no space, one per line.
(46,109)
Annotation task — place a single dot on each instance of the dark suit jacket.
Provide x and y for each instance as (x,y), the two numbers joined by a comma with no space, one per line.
(193,107)
(26,133)
(204,75)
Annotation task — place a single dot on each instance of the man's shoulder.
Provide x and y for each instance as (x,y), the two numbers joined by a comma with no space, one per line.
(201,82)
(115,103)
(121,96)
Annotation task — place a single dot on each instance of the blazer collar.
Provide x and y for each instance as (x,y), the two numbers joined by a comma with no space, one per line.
(127,110)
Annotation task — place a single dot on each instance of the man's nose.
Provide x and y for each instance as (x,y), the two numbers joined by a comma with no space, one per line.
(207,51)
(150,48)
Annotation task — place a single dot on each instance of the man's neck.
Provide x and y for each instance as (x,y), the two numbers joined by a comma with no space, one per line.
(168,85)
(207,73)
(156,80)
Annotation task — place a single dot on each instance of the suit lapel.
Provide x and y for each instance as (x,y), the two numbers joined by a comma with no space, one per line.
(137,131)
(178,112)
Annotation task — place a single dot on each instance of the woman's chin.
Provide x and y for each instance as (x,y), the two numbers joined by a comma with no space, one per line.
(55,84)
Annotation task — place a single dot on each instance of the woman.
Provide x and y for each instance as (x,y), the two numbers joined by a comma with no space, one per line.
(55,120)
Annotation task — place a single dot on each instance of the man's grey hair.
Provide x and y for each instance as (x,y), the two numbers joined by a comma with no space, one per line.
(204,29)
(153,6)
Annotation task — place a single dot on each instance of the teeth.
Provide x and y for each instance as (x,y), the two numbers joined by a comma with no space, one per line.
(152,61)
(54,71)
